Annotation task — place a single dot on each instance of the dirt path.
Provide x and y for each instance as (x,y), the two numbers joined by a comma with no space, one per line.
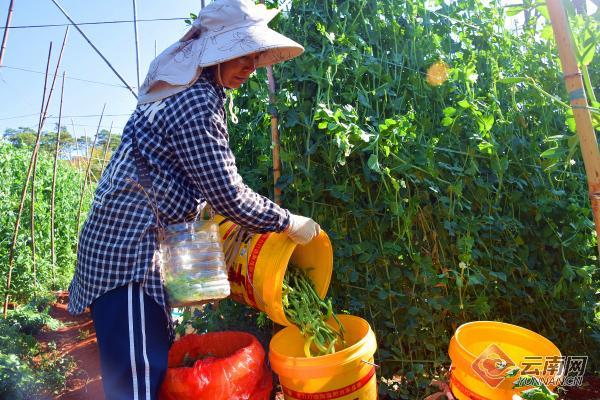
(77,339)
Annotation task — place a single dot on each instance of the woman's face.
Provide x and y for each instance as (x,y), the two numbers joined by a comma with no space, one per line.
(235,72)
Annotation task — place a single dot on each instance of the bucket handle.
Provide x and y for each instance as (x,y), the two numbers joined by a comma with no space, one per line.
(370,363)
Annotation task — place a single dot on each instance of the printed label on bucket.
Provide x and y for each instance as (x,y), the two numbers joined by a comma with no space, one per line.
(456,386)
(363,389)
(241,272)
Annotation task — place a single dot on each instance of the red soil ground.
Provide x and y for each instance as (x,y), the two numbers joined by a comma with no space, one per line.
(76,339)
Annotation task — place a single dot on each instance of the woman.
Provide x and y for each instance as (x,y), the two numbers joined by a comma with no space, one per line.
(176,143)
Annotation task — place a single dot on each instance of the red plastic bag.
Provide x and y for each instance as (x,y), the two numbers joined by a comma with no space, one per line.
(221,366)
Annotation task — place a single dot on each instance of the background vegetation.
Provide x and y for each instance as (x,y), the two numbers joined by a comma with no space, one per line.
(446,203)
(29,370)
(436,148)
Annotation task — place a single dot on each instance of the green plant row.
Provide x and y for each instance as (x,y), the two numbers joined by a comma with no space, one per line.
(13,170)
(28,370)
(450,198)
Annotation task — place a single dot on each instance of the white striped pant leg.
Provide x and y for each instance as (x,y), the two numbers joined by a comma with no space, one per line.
(133,339)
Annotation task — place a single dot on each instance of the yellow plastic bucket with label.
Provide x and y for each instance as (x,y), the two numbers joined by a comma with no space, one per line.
(348,374)
(482,352)
(256,275)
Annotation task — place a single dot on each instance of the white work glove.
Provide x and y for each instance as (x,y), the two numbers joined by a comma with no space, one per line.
(301,229)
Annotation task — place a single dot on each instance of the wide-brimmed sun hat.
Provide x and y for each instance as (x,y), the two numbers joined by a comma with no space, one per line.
(224,30)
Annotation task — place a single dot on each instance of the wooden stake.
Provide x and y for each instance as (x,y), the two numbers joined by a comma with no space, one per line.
(583,119)
(40,127)
(62,49)
(77,152)
(274,131)
(87,171)
(6,27)
(11,257)
(106,148)
(87,146)
(274,134)
(54,171)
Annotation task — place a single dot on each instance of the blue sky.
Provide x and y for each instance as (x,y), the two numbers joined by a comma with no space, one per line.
(21,92)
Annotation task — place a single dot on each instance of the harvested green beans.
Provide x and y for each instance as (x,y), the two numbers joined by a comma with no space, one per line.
(305,309)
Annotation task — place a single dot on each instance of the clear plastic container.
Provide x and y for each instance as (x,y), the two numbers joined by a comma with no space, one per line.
(191,256)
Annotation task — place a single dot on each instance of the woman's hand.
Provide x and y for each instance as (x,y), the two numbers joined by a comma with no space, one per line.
(302,229)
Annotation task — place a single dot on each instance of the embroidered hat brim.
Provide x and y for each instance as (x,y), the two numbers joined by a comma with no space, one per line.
(224,30)
(238,42)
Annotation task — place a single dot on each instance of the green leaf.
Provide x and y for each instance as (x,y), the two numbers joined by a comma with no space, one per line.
(447,121)
(544,11)
(464,104)
(449,111)
(512,80)
(322,125)
(587,55)
(475,280)
(570,121)
(552,153)
(362,99)
(547,32)
(488,121)
(459,283)
(514,9)
(373,163)
(396,208)
(573,141)
(568,272)
(499,275)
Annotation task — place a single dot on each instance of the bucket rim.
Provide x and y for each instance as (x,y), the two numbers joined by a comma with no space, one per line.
(364,348)
(511,329)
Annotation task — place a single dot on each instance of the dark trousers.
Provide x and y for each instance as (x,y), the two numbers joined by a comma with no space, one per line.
(132,333)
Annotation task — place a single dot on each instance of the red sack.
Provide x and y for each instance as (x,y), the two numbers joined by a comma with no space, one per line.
(223,366)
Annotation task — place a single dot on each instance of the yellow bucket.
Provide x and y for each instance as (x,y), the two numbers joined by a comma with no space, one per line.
(348,374)
(483,352)
(256,278)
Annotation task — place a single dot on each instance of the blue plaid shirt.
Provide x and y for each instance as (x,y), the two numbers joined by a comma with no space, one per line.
(185,143)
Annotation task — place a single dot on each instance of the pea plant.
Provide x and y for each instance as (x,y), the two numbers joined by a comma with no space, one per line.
(435,145)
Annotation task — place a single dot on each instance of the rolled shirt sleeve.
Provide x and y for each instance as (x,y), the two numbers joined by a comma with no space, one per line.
(201,145)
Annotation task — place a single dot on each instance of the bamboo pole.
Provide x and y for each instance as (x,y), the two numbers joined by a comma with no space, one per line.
(52,197)
(87,171)
(6,27)
(32,227)
(106,147)
(95,48)
(583,119)
(42,120)
(11,257)
(274,131)
(274,134)
(87,146)
(62,49)
(137,55)
(76,151)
